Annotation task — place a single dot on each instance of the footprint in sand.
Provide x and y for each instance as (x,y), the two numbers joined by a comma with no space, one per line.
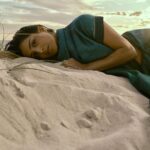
(93,114)
(42,131)
(84,123)
(88,117)
(45,126)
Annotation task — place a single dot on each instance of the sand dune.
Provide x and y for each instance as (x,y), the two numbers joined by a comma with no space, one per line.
(44,106)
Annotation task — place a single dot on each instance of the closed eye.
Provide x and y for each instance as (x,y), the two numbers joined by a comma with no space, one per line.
(34,43)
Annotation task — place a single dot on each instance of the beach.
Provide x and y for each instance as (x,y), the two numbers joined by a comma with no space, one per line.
(45,106)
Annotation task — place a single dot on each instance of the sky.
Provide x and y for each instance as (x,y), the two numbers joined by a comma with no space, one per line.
(122,15)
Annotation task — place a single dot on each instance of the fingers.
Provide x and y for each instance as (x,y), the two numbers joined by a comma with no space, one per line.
(68,62)
(65,63)
(71,63)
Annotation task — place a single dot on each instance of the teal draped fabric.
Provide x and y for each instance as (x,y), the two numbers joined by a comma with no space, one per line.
(138,79)
(79,41)
(138,75)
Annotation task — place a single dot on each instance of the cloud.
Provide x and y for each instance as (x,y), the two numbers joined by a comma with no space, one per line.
(61,12)
(50,13)
(136,13)
(57,14)
(73,6)
(121,5)
(141,1)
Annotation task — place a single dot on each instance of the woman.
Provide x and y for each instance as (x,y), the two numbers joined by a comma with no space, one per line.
(88,42)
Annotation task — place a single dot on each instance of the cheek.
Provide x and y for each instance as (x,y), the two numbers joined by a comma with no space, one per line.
(24,50)
(44,39)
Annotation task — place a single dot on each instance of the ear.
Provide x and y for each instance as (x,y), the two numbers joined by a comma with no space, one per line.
(41,28)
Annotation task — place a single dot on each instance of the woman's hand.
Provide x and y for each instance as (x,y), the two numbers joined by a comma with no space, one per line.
(72,63)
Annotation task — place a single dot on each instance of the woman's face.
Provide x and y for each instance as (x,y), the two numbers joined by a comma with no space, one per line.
(40,45)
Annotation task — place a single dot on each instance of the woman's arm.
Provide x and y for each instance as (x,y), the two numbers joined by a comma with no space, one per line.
(123,52)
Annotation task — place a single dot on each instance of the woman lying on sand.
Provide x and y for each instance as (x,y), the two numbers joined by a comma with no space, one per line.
(88,42)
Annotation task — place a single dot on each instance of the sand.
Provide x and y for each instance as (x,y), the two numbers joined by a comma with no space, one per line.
(44,106)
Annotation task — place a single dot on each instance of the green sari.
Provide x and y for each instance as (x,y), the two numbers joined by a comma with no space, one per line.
(82,40)
(138,75)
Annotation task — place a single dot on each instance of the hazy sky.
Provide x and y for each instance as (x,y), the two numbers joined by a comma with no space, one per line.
(121,14)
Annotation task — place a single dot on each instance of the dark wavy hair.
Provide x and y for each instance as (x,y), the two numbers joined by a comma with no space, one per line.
(19,36)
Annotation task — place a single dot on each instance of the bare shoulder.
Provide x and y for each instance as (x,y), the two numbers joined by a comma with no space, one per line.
(113,39)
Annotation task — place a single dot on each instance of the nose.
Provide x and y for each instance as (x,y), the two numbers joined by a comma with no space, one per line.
(38,50)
